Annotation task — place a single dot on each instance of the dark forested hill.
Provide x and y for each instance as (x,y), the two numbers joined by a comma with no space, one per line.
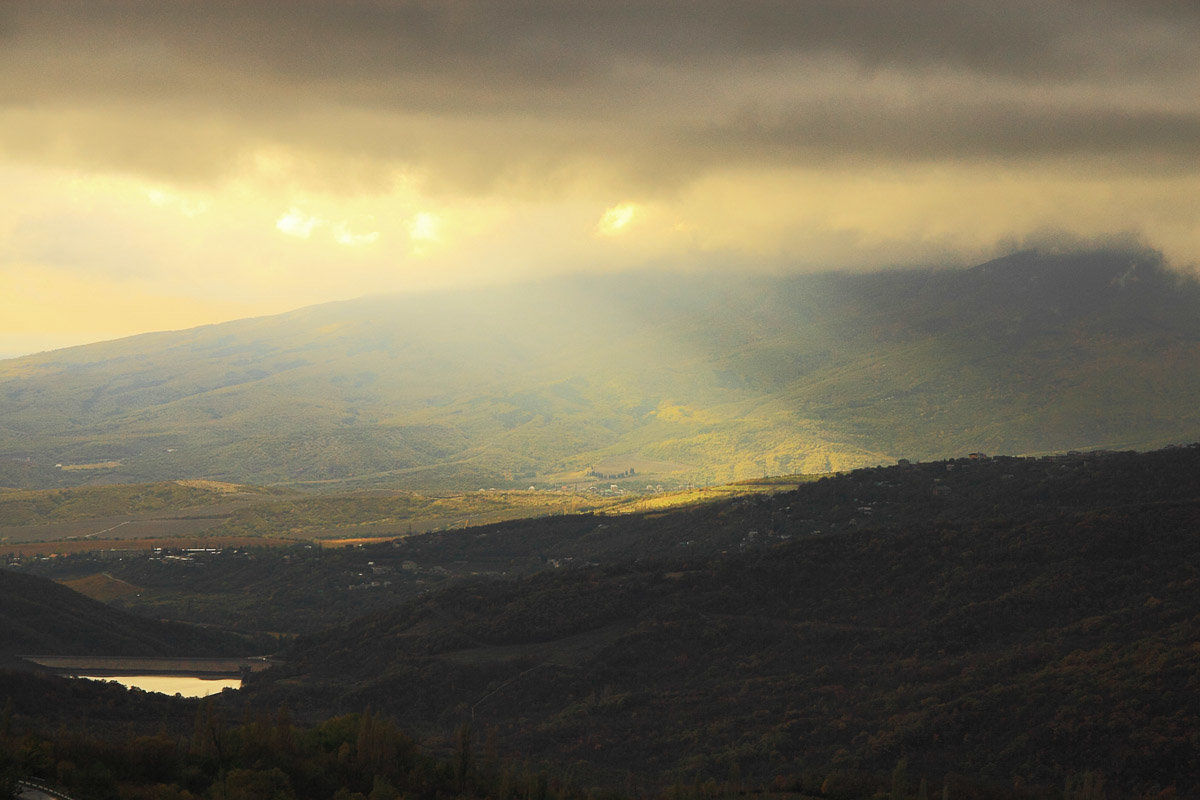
(1014,620)
(680,377)
(40,617)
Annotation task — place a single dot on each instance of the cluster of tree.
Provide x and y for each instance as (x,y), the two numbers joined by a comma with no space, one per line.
(364,756)
(612,476)
(359,756)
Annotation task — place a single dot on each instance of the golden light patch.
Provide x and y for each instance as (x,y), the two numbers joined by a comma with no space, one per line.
(296,223)
(344,236)
(188,207)
(425,228)
(214,486)
(616,219)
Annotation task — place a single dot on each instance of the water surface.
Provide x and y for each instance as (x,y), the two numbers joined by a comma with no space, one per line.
(186,685)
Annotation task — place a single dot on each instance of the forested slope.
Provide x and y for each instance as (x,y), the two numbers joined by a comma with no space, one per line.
(1000,618)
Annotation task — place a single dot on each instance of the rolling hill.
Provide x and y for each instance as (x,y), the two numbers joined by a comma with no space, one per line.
(676,377)
(40,617)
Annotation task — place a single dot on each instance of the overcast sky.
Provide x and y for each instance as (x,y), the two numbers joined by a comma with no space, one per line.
(167,164)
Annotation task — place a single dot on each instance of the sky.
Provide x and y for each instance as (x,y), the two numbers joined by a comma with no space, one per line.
(166,164)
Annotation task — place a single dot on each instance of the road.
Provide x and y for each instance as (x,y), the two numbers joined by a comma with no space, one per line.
(36,791)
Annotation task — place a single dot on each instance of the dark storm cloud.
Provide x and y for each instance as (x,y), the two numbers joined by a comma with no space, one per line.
(481,92)
(837,131)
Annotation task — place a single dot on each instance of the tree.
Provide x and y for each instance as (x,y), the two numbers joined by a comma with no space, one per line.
(462,754)
(900,780)
(383,790)
(250,784)
(8,774)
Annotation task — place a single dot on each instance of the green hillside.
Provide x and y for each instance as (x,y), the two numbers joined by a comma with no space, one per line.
(679,377)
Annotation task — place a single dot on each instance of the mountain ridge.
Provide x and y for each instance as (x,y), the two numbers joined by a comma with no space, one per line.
(724,377)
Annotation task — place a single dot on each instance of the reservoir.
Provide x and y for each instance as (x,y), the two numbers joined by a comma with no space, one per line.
(185,685)
(189,677)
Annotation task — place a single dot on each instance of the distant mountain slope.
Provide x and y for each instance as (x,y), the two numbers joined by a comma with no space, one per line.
(32,508)
(1017,620)
(690,377)
(40,617)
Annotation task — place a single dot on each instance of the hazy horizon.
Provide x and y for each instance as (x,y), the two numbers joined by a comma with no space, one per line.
(1047,245)
(173,166)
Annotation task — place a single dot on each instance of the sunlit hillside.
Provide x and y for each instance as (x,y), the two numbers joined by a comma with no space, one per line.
(643,379)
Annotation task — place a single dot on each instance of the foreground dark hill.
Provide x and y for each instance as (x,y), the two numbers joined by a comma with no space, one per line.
(673,377)
(40,617)
(1017,621)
